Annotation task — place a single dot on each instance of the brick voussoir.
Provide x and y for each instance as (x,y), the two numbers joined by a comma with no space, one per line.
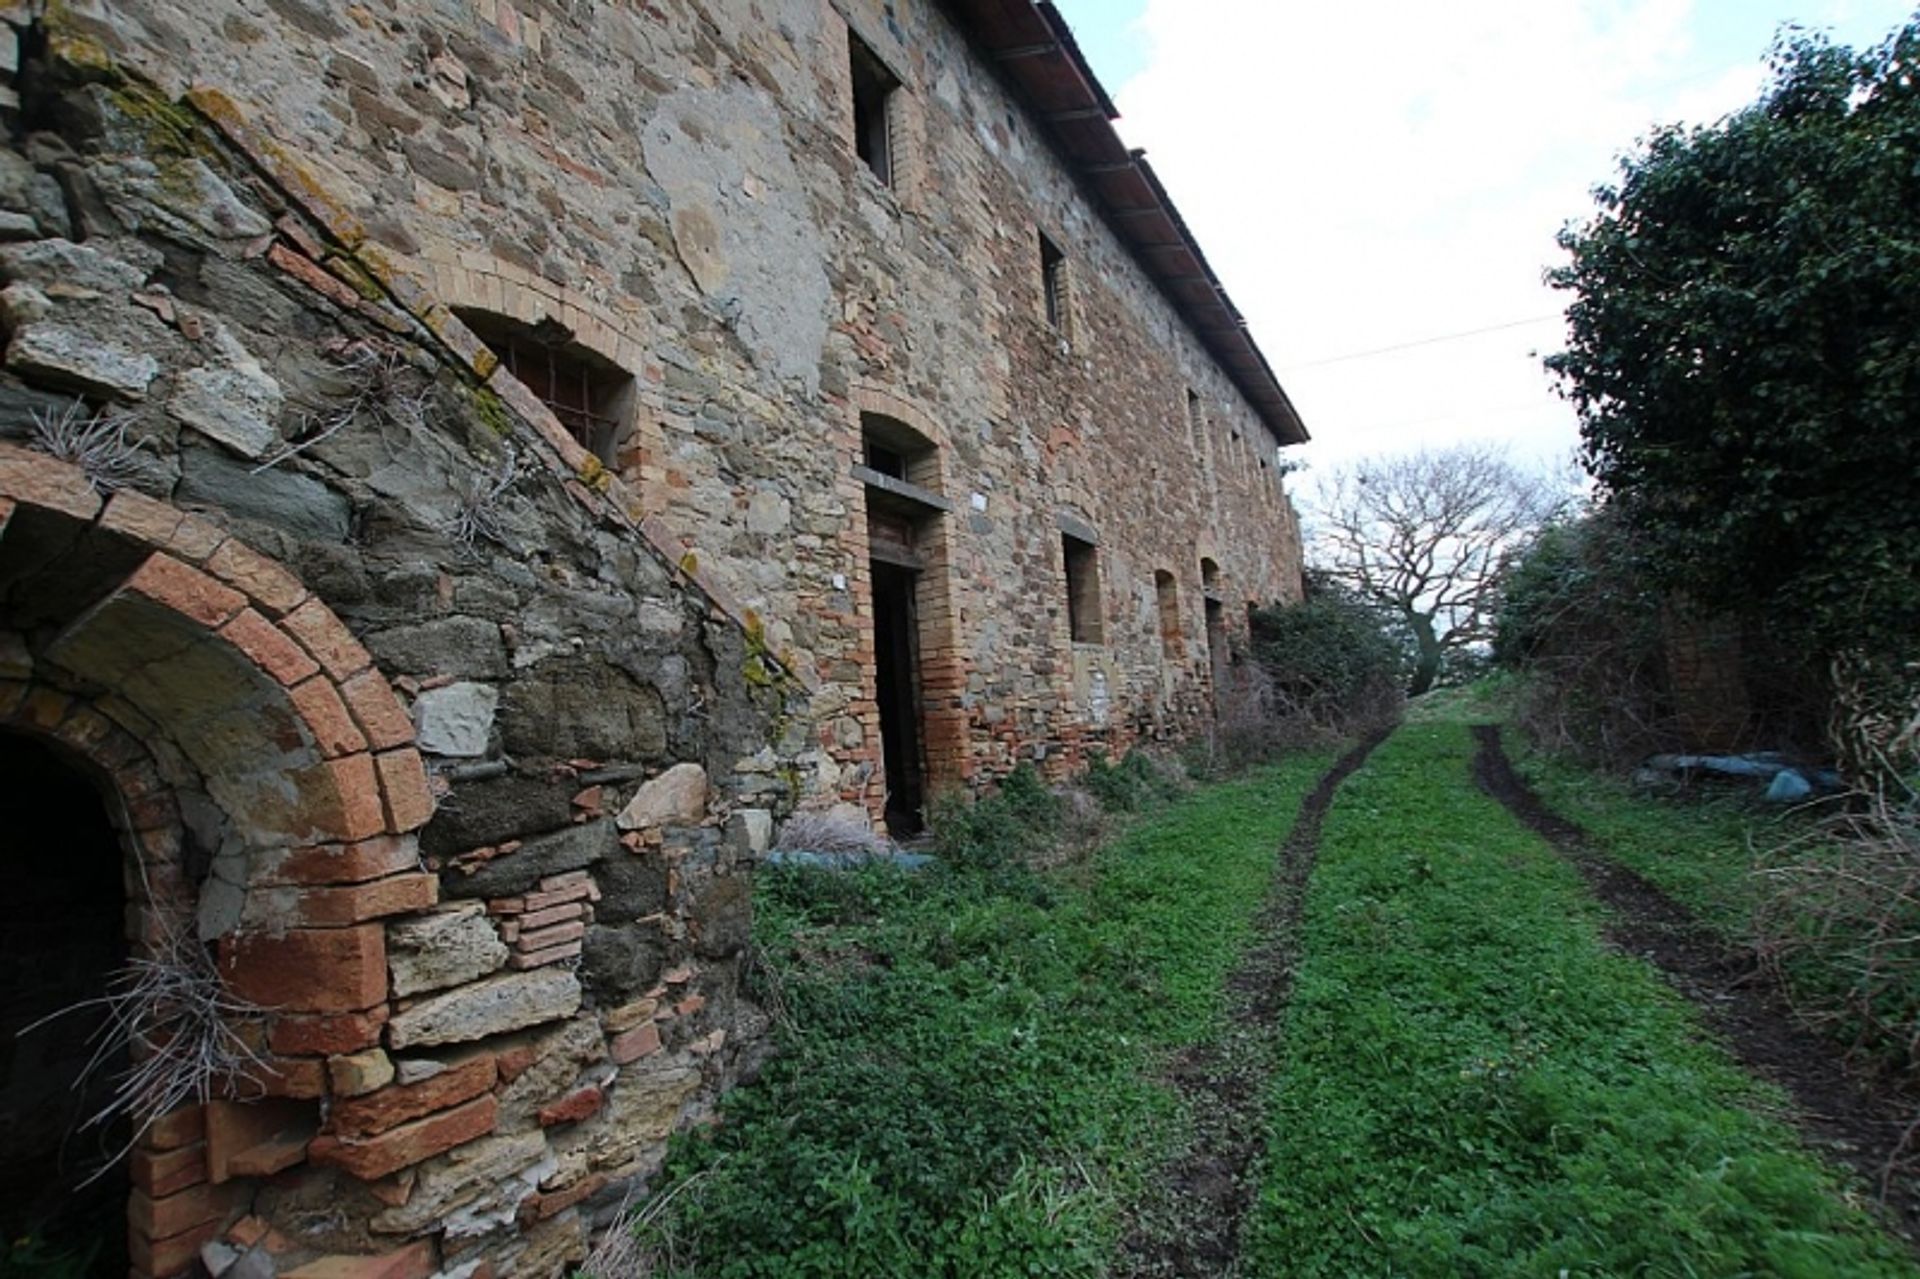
(39,480)
(403,788)
(378,712)
(186,590)
(266,583)
(319,703)
(269,648)
(325,636)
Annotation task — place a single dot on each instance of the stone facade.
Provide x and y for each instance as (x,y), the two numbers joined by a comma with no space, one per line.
(465,469)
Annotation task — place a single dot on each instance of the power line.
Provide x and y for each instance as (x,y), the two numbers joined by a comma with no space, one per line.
(1420,342)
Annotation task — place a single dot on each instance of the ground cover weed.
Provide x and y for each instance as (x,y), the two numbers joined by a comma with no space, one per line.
(1473,1084)
(966,1075)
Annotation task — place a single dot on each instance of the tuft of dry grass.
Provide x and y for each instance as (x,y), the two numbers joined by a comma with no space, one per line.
(169,1016)
(95,440)
(1839,923)
(817,832)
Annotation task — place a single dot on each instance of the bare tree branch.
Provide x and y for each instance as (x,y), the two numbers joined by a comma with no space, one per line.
(1425,536)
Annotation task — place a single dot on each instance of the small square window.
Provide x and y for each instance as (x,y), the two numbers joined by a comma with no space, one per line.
(873,90)
(1053,282)
(1085,625)
(590,395)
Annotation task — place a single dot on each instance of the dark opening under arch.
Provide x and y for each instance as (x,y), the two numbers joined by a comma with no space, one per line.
(62,937)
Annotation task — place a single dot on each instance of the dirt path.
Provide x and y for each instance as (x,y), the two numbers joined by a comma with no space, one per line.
(1859,1120)
(1190,1226)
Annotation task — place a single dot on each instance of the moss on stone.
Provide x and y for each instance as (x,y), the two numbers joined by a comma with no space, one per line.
(357,277)
(491,411)
(594,474)
(168,128)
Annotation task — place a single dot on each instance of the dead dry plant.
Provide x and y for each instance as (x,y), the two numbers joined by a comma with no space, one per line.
(95,440)
(478,516)
(376,381)
(818,832)
(170,1018)
(1839,925)
(638,1244)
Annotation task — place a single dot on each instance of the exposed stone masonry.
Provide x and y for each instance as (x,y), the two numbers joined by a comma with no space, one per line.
(455,738)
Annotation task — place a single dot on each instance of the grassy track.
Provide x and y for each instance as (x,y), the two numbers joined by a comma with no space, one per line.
(1474,1085)
(1700,852)
(966,1078)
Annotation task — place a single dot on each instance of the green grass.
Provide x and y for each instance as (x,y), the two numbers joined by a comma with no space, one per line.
(964,1084)
(1474,1085)
(1698,849)
(1707,850)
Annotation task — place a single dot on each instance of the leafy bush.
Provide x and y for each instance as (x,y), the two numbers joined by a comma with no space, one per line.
(1134,783)
(1741,355)
(1581,618)
(1331,661)
(1010,827)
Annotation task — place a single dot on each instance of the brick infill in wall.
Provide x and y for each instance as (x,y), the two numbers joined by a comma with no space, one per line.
(548,924)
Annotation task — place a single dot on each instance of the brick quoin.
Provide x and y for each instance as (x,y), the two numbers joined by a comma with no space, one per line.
(309,970)
(311,1036)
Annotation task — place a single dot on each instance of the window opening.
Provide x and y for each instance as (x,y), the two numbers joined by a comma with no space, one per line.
(873,90)
(1084,622)
(587,393)
(1053,281)
(897,451)
(1167,592)
(889,462)
(1196,421)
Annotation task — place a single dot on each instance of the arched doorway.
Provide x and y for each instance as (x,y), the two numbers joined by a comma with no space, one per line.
(63,1195)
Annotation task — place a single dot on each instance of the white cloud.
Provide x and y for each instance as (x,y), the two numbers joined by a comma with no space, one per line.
(1369,174)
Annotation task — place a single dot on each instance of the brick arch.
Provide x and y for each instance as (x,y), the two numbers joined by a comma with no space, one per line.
(259,683)
(491,284)
(869,397)
(202,664)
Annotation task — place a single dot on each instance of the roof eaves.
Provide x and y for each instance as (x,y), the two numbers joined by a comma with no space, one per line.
(1033,45)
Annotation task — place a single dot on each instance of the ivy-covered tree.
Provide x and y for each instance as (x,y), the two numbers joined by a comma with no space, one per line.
(1744,352)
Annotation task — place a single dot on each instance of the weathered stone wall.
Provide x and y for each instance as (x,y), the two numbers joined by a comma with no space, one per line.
(396,706)
(453,736)
(676,184)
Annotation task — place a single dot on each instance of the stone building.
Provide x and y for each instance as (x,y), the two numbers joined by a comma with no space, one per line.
(467,469)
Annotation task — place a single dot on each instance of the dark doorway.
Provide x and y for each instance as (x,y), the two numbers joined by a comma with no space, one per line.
(1217,650)
(896,645)
(62,935)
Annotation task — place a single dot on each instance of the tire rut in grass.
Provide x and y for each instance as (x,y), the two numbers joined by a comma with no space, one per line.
(1859,1119)
(1190,1225)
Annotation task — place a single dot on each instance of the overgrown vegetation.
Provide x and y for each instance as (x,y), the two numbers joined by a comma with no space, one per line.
(1585,617)
(1741,356)
(1581,618)
(964,1077)
(1831,903)
(1331,662)
(1475,1085)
